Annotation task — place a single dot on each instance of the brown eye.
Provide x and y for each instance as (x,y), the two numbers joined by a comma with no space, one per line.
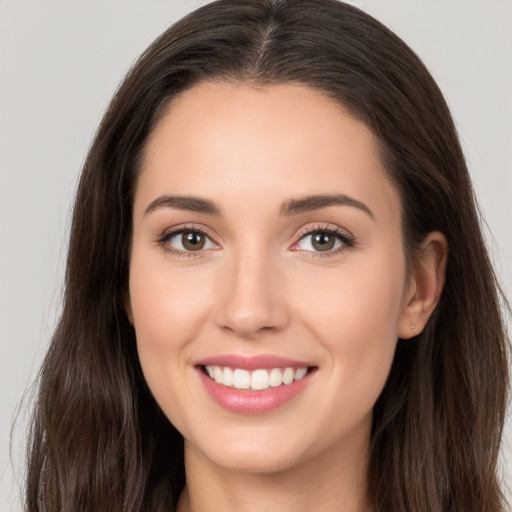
(328,240)
(322,241)
(192,240)
(187,241)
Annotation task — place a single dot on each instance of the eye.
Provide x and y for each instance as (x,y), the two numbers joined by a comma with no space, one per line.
(323,240)
(186,240)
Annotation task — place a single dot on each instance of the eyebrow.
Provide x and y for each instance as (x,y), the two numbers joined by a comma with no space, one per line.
(315,202)
(288,208)
(187,203)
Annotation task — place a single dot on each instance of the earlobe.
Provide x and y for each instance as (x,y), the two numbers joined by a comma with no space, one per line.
(426,285)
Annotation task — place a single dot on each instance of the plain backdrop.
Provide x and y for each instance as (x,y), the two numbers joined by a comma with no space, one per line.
(61,61)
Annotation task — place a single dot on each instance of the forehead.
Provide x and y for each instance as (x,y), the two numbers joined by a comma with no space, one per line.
(217,139)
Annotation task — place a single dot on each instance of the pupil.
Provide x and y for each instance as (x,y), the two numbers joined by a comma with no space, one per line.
(323,241)
(193,241)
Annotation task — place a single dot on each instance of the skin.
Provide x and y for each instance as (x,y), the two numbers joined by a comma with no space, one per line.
(260,287)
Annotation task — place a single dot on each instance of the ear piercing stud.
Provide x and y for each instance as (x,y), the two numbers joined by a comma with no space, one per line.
(413,327)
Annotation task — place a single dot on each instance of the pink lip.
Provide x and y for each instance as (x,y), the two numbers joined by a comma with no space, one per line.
(252,402)
(264,361)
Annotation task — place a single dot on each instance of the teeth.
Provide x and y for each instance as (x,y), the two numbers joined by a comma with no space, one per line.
(256,380)
(288,376)
(241,379)
(227,377)
(259,380)
(300,372)
(276,377)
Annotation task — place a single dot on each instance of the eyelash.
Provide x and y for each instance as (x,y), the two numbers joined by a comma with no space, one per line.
(170,233)
(347,241)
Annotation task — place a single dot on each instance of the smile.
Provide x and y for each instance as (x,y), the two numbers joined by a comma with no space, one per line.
(257,380)
(254,385)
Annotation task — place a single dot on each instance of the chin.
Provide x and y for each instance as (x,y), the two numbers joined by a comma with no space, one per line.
(253,461)
(255,452)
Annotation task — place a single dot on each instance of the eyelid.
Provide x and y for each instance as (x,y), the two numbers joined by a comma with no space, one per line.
(347,239)
(164,236)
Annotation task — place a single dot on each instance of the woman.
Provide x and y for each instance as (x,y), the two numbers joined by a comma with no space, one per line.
(277,292)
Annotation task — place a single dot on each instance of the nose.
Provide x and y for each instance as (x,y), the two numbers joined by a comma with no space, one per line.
(252,298)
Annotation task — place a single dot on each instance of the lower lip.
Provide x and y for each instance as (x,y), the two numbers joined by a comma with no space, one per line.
(243,401)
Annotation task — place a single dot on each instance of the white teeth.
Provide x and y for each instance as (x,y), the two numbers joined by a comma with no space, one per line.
(288,376)
(259,380)
(256,380)
(300,372)
(276,377)
(217,374)
(227,376)
(241,379)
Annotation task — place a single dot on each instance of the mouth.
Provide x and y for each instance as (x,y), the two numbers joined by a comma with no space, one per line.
(259,379)
(254,385)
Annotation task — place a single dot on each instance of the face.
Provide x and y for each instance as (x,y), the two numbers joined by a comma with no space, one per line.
(267,275)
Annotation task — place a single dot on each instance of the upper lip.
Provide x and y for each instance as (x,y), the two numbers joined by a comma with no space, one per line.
(263,361)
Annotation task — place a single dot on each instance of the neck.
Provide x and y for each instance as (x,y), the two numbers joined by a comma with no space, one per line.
(330,481)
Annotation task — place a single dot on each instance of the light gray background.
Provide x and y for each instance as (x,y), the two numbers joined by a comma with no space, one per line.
(61,61)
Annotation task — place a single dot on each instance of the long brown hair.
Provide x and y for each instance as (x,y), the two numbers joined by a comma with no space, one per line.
(99,442)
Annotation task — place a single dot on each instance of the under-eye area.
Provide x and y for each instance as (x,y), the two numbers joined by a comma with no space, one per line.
(255,380)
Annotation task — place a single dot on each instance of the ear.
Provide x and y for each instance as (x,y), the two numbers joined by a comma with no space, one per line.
(425,285)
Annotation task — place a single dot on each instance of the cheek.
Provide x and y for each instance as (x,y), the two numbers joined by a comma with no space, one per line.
(355,316)
(365,300)
(165,299)
(168,311)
